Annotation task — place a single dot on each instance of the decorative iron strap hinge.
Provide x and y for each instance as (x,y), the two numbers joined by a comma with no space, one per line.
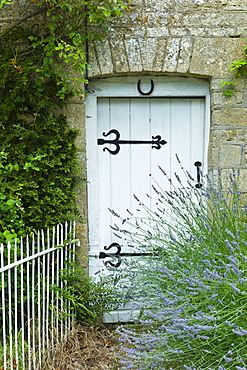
(156,141)
(117,255)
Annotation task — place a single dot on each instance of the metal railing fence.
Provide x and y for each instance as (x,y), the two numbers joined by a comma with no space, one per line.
(33,315)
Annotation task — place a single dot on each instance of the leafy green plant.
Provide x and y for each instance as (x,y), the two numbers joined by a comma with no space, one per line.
(13,352)
(239,67)
(194,311)
(60,37)
(5,2)
(38,151)
(42,64)
(87,300)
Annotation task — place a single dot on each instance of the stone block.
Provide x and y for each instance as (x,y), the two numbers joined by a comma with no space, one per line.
(75,115)
(159,32)
(119,57)
(213,56)
(133,54)
(213,155)
(216,83)
(235,136)
(225,155)
(104,57)
(227,175)
(182,5)
(81,233)
(233,117)
(171,55)
(229,156)
(233,4)
(159,55)
(149,48)
(185,52)
(220,100)
(215,19)
(128,31)
(94,69)
(178,32)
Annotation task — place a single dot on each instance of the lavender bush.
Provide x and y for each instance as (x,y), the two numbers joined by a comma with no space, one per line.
(194,315)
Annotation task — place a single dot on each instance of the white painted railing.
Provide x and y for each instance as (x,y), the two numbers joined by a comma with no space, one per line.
(33,316)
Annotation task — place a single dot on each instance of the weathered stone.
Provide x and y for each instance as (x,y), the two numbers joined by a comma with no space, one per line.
(148,47)
(211,56)
(234,136)
(225,155)
(229,156)
(75,114)
(159,32)
(233,117)
(172,53)
(120,62)
(233,4)
(185,52)
(219,99)
(134,54)
(216,84)
(159,55)
(104,57)
(94,69)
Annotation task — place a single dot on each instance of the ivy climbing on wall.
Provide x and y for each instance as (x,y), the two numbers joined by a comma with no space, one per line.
(240,69)
(38,52)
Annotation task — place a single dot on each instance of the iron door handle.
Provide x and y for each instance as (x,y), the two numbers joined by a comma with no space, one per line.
(198,164)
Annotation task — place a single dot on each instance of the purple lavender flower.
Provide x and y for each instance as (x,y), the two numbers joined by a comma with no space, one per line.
(227,359)
(239,331)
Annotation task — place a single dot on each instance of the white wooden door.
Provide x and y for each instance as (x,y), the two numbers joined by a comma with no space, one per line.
(116,172)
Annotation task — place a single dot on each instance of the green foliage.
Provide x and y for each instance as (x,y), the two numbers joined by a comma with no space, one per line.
(37,67)
(13,352)
(230,85)
(60,38)
(38,153)
(87,299)
(5,2)
(10,206)
(240,69)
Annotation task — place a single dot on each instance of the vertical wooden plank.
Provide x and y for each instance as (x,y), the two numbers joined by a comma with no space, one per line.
(140,166)
(120,177)
(160,116)
(180,136)
(198,138)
